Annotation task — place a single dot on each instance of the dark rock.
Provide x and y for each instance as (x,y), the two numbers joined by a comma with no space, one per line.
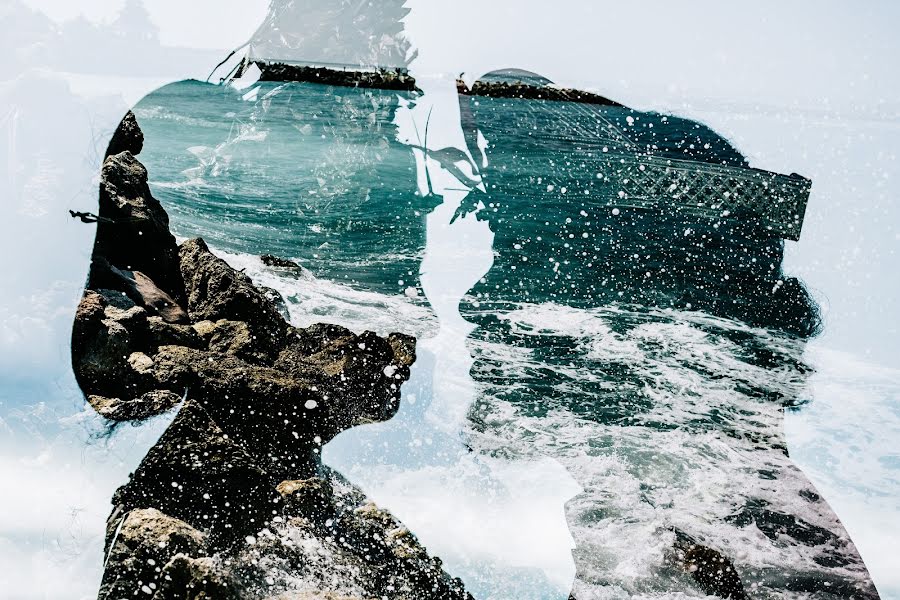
(186,578)
(313,595)
(139,288)
(217,291)
(518,89)
(270,260)
(278,300)
(198,474)
(128,137)
(116,298)
(372,554)
(143,407)
(204,515)
(313,498)
(383,79)
(133,233)
(142,542)
(714,573)
(233,338)
(711,570)
(103,337)
(163,333)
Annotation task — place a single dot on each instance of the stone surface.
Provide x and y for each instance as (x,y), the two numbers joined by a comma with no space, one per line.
(127,137)
(142,542)
(270,260)
(186,578)
(312,497)
(713,572)
(217,291)
(133,232)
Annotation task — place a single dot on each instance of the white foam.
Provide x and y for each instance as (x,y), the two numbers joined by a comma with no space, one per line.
(640,480)
(313,300)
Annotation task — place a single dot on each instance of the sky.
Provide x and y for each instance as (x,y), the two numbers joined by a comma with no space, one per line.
(823,54)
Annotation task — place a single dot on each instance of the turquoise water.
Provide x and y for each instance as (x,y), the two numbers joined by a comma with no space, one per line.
(649,352)
(322,182)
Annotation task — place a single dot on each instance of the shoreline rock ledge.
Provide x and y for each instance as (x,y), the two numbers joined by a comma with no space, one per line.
(233,502)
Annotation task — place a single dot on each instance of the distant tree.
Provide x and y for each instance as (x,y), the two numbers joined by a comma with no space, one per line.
(134,23)
(354,32)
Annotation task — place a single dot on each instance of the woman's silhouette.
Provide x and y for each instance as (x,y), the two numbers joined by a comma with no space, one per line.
(648,346)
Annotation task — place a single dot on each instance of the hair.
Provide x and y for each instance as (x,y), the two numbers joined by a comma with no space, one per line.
(581,248)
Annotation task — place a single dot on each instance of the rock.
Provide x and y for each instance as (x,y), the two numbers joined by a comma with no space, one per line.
(197,474)
(116,299)
(150,296)
(312,498)
(186,578)
(142,542)
(236,339)
(356,550)
(381,79)
(140,362)
(713,573)
(503,89)
(312,596)
(163,333)
(278,300)
(143,407)
(217,291)
(102,339)
(282,264)
(368,394)
(270,260)
(127,137)
(233,500)
(133,233)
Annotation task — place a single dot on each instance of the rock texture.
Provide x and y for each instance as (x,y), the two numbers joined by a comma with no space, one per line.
(711,571)
(233,501)
(128,136)
(382,79)
(133,231)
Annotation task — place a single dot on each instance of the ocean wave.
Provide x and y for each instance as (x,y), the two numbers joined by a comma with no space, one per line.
(317,300)
(147,112)
(668,420)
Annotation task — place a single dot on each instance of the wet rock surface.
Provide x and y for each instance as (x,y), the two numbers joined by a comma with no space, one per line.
(128,136)
(133,230)
(233,501)
(712,571)
(281,264)
(383,79)
(519,89)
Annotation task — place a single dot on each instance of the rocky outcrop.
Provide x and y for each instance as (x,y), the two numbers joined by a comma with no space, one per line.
(384,79)
(281,264)
(133,230)
(217,292)
(233,501)
(127,137)
(711,571)
(527,91)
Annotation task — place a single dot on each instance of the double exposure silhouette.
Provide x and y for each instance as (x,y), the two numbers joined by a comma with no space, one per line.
(636,326)
(655,346)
